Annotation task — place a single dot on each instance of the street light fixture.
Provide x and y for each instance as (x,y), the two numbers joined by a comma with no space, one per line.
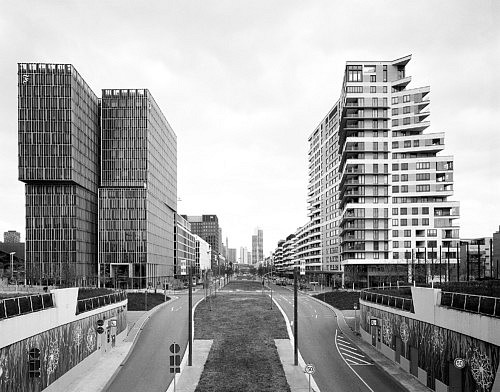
(12,265)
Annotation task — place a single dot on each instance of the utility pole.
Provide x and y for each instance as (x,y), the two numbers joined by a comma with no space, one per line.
(190,321)
(295,320)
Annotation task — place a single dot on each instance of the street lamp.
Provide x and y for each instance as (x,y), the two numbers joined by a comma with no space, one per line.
(12,264)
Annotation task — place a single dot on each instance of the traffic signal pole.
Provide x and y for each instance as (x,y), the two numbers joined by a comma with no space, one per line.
(190,322)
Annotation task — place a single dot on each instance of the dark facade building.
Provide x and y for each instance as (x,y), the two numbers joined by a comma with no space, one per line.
(495,260)
(138,194)
(207,227)
(59,163)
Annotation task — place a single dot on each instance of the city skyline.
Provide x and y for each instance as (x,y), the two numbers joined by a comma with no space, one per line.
(258,95)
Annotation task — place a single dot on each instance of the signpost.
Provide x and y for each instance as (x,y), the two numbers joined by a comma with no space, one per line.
(459,363)
(355,317)
(302,267)
(310,370)
(175,360)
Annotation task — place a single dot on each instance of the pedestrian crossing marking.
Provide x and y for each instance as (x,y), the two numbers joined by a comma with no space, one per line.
(350,353)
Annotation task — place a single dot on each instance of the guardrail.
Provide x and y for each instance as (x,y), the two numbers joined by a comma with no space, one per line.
(17,306)
(480,304)
(388,300)
(88,304)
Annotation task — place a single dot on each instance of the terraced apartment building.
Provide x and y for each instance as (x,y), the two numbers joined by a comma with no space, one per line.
(379,185)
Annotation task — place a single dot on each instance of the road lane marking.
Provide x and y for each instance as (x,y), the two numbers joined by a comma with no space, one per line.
(354,353)
(349,364)
(356,359)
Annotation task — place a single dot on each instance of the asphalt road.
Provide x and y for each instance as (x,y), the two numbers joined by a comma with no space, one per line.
(340,365)
(147,368)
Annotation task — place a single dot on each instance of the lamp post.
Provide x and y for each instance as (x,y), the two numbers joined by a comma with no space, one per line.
(12,265)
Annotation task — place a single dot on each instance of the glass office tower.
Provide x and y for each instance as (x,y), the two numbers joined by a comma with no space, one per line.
(137,197)
(58,128)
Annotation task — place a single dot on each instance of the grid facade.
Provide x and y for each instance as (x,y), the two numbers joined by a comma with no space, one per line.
(378,186)
(207,228)
(185,247)
(139,185)
(58,130)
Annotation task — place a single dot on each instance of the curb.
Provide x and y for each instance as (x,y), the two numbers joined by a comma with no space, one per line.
(147,316)
(353,336)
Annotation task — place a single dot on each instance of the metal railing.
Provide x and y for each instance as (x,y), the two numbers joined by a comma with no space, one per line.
(17,306)
(480,304)
(388,300)
(88,304)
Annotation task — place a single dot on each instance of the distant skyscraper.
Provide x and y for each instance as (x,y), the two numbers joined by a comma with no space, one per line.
(11,237)
(243,255)
(59,163)
(231,253)
(258,247)
(138,194)
(207,227)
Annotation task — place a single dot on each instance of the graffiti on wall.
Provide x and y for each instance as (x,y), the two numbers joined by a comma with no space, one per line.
(437,348)
(60,348)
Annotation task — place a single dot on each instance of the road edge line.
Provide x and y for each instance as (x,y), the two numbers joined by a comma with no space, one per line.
(292,339)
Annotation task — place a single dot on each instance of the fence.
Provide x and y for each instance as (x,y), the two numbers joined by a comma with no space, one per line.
(388,300)
(16,306)
(85,305)
(471,303)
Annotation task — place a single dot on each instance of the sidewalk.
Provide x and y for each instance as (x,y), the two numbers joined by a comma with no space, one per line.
(403,378)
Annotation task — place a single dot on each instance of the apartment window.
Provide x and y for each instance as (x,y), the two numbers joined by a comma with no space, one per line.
(384,73)
(425,210)
(354,89)
(406,98)
(395,255)
(407,244)
(431,233)
(395,244)
(404,188)
(423,176)
(395,233)
(395,222)
(395,189)
(395,100)
(395,111)
(404,211)
(375,103)
(407,233)
(425,221)
(414,211)
(384,89)
(414,222)
(432,244)
(423,165)
(373,78)
(406,121)
(395,166)
(406,110)
(423,188)
(354,73)
(404,177)
(394,211)
(404,222)
(395,123)
(395,177)
(404,166)
(416,143)
(407,144)
(373,89)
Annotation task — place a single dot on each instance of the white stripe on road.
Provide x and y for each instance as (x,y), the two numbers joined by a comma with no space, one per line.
(348,364)
(356,359)
(352,352)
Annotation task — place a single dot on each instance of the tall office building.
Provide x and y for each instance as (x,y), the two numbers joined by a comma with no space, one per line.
(378,187)
(58,125)
(258,246)
(138,194)
(207,227)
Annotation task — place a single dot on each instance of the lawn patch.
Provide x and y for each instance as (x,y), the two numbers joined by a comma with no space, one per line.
(245,285)
(343,300)
(243,356)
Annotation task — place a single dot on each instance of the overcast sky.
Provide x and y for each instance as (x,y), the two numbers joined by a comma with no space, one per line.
(244,83)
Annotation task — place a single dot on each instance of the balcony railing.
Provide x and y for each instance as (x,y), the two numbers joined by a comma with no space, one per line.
(389,300)
(471,303)
(88,304)
(17,306)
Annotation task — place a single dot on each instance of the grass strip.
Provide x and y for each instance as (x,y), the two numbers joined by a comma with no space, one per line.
(343,300)
(243,356)
(137,301)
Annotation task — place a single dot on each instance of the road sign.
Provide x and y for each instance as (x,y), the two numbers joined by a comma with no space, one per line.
(112,323)
(310,369)
(373,322)
(175,348)
(100,330)
(459,363)
(355,306)
(100,323)
(183,267)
